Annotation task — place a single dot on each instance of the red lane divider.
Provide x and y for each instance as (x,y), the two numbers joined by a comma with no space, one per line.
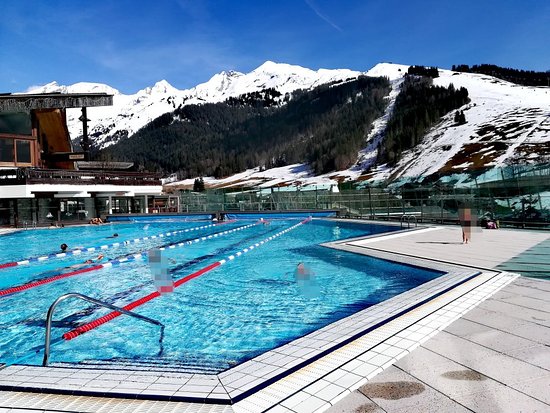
(48,280)
(8,264)
(102,320)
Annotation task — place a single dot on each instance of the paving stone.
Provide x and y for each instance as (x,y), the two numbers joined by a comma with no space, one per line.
(502,399)
(534,332)
(452,379)
(458,349)
(515,311)
(527,302)
(355,402)
(435,405)
(526,291)
(534,284)
(538,388)
(510,370)
(466,328)
(538,355)
(396,390)
(499,340)
(422,359)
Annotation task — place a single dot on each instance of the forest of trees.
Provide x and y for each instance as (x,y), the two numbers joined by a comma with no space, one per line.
(418,106)
(423,71)
(263,98)
(325,127)
(520,77)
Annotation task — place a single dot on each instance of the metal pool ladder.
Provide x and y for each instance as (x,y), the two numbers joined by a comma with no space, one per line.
(26,224)
(408,218)
(97,302)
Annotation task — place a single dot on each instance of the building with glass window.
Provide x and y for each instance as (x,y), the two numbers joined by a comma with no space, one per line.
(42,180)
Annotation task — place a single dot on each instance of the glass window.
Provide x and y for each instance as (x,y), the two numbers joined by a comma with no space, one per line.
(23,151)
(6,150)
(17,123)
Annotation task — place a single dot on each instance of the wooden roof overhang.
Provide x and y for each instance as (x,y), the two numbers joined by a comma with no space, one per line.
(28,102)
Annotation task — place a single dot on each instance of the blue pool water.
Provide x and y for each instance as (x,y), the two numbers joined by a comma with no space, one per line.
(249,305)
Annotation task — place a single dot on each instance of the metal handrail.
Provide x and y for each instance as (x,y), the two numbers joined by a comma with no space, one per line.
(97,302)
(408,218)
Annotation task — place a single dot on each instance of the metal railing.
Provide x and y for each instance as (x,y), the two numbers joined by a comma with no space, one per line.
(22,176)
(97,302)
(514,196)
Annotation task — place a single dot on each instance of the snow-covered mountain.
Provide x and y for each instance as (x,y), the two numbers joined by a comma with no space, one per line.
(129,113)
(505,122)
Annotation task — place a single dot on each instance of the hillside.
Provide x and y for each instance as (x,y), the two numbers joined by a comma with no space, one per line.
(325,127)
(504,122)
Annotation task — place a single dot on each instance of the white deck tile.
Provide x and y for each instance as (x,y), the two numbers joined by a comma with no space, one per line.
(329,392)
(311,404)
(367,370)
(294,400)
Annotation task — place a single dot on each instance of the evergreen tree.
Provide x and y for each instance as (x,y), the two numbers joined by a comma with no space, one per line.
(461,118)
(520,77)
(198,185)
(423,71)
(457,117)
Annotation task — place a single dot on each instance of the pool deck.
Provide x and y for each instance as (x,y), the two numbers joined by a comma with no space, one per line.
(495,358)
(483,346)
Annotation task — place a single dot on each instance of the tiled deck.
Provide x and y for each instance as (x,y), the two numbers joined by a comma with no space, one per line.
(264,384)
(496,358)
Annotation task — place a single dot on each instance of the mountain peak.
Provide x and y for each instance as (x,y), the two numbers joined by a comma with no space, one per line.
(268,64)
(391,70)
(47,88)
(162,86)
(80,87)
(272,68)
(230,73)
(151,102)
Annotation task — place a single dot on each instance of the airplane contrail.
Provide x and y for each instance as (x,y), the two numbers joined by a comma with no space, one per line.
(313,7)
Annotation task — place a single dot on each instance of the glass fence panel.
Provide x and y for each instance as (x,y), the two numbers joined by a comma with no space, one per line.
(515,196)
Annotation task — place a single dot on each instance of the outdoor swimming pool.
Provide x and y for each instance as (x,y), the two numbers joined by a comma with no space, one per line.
(214,320)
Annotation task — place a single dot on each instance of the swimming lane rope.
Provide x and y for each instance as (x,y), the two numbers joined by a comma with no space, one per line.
(114,262)
(102,320)
(104,247)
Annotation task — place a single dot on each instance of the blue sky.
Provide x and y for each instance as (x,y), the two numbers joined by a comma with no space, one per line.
(131,44)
